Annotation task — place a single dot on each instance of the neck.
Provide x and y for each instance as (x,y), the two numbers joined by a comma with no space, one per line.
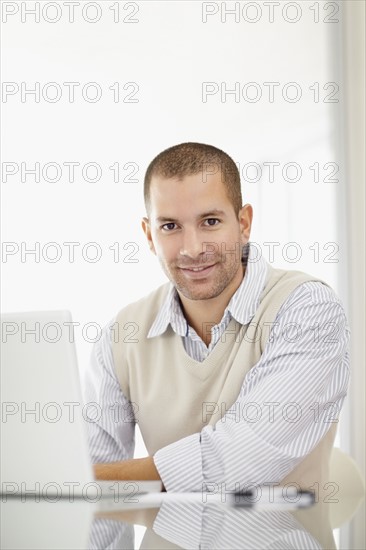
(204,314)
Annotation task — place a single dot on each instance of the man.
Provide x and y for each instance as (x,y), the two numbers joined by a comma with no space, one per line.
(238,371)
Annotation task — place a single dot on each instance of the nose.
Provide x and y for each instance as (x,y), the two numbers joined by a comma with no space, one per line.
(191,244)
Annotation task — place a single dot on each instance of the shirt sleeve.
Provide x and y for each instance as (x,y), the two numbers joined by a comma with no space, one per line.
(111,428)
(287,402)
(217,525)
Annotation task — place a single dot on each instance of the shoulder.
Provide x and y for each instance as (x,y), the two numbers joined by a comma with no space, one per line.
(314,308)
(294,289)
(311,292)
(299,299)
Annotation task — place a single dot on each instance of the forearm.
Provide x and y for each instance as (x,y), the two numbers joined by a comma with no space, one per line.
(135,469)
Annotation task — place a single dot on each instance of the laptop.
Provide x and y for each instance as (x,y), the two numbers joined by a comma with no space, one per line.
(44,447)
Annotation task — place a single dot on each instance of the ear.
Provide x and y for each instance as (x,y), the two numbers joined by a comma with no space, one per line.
(145,224)
(245,221)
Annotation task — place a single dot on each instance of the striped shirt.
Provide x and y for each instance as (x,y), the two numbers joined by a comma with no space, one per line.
(288,399)
(198,525)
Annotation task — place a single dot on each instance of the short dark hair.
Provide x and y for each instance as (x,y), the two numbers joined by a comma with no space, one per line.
(190,158)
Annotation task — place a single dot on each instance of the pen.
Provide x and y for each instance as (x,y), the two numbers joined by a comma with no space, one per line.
(284,497)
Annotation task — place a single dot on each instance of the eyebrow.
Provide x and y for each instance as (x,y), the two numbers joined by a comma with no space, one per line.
(211,214)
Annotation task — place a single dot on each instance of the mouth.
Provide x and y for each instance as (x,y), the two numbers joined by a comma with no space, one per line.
(197,272)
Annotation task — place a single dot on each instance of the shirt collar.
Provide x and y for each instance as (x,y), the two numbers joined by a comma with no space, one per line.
(242,306)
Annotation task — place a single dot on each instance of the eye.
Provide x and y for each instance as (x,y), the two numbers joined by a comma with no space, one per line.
(168,226)
(212,222)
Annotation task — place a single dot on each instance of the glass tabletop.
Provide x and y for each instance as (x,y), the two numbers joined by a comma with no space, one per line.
(177,522)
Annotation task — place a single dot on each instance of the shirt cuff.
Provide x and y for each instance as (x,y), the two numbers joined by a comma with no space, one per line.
(180,465)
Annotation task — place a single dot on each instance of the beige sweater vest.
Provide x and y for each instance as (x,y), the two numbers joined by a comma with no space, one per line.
(168,388)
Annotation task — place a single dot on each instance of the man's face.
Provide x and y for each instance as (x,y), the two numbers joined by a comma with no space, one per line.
(196,235)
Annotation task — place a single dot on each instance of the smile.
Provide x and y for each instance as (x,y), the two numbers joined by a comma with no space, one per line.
(198,271)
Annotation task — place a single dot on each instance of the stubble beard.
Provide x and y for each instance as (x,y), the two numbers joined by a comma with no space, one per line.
(203,289)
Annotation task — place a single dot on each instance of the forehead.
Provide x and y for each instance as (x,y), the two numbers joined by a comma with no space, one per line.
(202,191)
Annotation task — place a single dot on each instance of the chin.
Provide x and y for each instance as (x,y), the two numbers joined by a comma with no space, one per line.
(196,294)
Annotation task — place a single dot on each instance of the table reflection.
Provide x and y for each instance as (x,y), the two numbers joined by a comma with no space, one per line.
(45,524)
(214,525)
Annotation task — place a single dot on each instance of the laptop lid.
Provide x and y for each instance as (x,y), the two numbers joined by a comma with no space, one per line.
(44,445)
